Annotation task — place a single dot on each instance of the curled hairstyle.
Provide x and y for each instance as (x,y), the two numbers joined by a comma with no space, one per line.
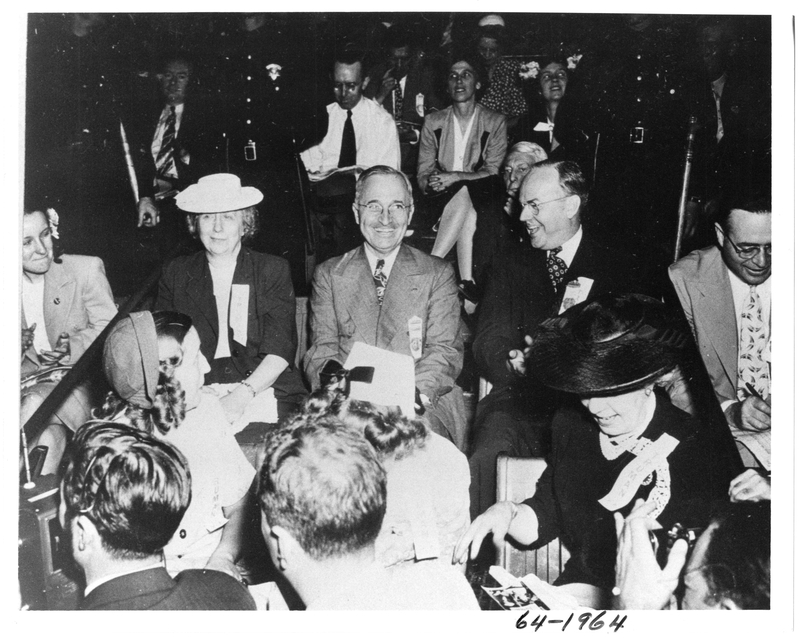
(324,484)
(249,222)
(737,561)
(391,433)
(475,61)
(169,403)
(570,178)
(41,209)
(380,169)
(528,148)
(134,488)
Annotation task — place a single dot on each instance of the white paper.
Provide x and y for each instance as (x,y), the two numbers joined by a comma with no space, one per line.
(576,292)
(393,382)
(240,296)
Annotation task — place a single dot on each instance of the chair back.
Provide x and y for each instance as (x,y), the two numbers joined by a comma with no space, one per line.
(516,481)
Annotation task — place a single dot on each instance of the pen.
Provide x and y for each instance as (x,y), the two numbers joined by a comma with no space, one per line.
(753,391)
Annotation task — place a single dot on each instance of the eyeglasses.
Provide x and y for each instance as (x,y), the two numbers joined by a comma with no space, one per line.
(537,205)
(749,251)
(374,208)
(346,86)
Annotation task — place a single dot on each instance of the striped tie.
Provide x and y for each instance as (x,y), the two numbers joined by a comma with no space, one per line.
(165,161)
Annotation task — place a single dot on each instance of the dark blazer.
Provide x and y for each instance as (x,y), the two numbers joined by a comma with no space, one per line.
(196,137)
(420,80)
(578,475)
(186,286)
(519,296)
(193,589)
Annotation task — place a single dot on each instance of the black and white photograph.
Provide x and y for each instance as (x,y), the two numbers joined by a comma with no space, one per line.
(349,310)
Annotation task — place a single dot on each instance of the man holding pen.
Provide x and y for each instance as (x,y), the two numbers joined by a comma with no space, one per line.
(725,291)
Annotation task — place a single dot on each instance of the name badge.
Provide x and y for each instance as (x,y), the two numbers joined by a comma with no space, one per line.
(576,291)
(420,105)
(415,336)
(240,296)
(631,477)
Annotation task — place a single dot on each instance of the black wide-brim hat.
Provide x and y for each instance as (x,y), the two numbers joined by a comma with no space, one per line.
(609,345)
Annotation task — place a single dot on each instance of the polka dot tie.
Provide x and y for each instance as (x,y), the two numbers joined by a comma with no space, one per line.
(398,102)
(753,369)
(556,268)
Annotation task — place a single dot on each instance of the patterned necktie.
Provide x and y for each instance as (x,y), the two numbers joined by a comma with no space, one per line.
(753,369)
(718,101)
(165,161)
(379,277)
(556,268)
(398,102)
(347,156)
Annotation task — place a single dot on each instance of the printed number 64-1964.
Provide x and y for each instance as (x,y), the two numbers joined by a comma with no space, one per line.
(593,623)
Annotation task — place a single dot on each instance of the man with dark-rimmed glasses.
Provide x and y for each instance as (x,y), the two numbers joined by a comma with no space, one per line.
(725,291)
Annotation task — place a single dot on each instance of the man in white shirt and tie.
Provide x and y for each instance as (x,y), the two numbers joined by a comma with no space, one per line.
(725,291)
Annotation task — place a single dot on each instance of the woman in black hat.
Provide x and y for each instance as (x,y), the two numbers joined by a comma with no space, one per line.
(624,442)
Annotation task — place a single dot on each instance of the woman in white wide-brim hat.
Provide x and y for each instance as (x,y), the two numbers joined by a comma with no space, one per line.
(241,302)
(623,441)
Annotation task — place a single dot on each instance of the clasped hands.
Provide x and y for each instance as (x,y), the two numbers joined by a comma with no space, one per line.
(59,355)
(441,181)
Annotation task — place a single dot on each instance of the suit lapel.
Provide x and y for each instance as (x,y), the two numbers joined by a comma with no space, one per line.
(715,300)
(59,296)
(200,291)
(447,142)
(473,153)
(402,291)
(358,292)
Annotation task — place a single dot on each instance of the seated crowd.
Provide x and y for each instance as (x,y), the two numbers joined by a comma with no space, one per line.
(372,485)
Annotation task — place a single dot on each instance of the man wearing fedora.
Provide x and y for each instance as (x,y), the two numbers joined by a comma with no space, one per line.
(241,301)
(562,266)
(389,295)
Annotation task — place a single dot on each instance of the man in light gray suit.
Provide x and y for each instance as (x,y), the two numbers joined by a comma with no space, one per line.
(392,296)
(725,292)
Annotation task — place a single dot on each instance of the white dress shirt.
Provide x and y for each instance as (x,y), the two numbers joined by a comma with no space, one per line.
(570,247)
(388,260)
(376,138)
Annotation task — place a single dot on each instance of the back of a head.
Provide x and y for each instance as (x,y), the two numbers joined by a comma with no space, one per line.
(323,483)
(737,561)
(133,487)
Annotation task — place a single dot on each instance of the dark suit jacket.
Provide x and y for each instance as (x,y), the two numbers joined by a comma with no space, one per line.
(420,80)
(193,589)
(196,136)
(519,296)
(344,309)
(186,286)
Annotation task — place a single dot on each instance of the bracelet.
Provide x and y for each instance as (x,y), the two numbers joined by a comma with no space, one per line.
(247,385)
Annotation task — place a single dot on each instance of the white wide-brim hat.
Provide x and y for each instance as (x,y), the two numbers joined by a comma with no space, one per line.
(218,193)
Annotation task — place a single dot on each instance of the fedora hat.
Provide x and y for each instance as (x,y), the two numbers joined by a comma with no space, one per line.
(609,345)
(218,193)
